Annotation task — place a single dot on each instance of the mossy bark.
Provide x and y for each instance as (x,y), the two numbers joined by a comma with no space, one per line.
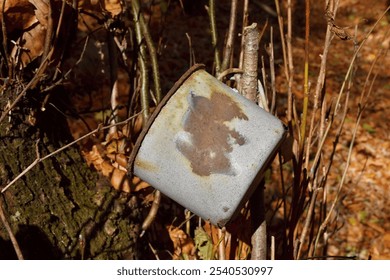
(60,209)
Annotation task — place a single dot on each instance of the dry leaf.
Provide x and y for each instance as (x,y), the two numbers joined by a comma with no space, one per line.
(121,159)
(31,48)
(27,22)
(117,142)
(41,11)
(118,177)
(19,15)
(183,245)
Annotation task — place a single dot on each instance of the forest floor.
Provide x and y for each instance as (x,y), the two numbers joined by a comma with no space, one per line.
(363,211)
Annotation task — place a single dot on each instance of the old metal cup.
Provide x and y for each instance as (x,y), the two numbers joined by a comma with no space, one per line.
(206,146)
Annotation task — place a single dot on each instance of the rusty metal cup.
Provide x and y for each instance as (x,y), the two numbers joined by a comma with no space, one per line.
(206,146)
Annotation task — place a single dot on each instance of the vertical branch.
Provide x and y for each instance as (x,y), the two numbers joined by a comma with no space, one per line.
(310,213)
(248,82)
(222,245)
(248,88)
(306,81)
(5,39)
(281,30)
(152,52)
(142,61)
(259,224)
(287,56)
(317,103)
(290,62)
(230,38)
(244,24)
(214,36)
(113,58)
(9,230)
(49,32)
(191,50)
(265,86)
(142,29)
(270,51)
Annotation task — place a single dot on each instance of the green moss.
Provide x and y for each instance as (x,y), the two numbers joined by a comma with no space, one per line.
(58,198)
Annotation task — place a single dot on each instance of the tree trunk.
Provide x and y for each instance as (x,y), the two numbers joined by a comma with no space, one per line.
(60,209)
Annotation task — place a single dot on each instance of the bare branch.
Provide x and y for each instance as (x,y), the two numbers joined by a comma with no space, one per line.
(39,159)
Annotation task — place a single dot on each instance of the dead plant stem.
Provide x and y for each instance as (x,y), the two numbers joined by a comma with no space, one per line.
(113,58)
(5,39)
(270,51)
(30,85)
(283,43)
(290,64)
(142,29)
(317,102)
(245,20)
(49,31)
(230,36)
(221,244)
(214,36)
(152,53)
(248,81)
(306,81)
(310,213)
(145,98)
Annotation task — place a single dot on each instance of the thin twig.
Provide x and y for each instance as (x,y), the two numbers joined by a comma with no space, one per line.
(359,116)
(66,75)
(9,231)
(265,84)
(191,50)
(152,212)
(290,64)
(152,52)
(310,213)
(284,196)
(319,87)
(356,54)
(245,20)
(281,30)
(142,61)
(214,35)
(229,72)
(340,94)
(141,26)
(266,8)
(5,39)
(40,159)
(272,248)
(230,37)
(221,244)
(30,85)
(270,51)
(306,82)
(113,58)
(49,31)
(57,36)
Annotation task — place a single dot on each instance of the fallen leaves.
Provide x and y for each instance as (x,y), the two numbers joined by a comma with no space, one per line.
(183,245)
(27,23)
(111,162)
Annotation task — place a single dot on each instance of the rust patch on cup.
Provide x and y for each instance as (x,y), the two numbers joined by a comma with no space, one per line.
(146,165)
(207,140)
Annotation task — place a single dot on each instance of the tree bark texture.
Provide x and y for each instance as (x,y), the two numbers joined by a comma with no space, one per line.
(60,209)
